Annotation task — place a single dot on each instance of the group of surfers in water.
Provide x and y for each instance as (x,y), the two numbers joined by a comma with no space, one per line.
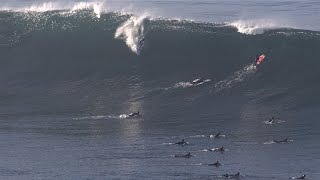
(222,149)
(198,81)
(219,149)
(257,61)
(217,163)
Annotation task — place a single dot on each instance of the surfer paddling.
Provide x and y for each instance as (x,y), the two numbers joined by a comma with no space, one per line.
(134,114)
(281,141)
(198,81)
(183,156)
(217,164)
(182,142)
(232,175)
(301,177)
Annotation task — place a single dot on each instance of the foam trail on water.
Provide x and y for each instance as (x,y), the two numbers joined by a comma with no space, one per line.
(131,32)
(97,117)
(186,84)
(234,79)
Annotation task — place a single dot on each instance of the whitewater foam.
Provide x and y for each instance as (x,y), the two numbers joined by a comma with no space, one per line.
(186,85)
(98,117)
(274,122)
(253,27)
(234,79)
(97,7)
(132,31)
(47,6)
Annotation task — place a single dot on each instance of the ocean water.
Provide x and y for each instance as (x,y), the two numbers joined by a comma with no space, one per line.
(70,73)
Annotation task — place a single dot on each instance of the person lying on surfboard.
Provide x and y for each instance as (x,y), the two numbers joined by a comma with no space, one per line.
(134,114)
(197,81)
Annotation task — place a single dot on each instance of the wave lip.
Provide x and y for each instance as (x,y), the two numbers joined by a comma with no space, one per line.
(253,27)
(97,7)
(47,6)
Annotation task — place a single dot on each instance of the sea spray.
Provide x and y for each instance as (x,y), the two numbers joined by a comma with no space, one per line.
(253,27)
(132,31)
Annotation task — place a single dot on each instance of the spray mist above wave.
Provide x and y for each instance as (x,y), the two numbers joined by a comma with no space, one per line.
(253,27)
(97,7)
(132,31)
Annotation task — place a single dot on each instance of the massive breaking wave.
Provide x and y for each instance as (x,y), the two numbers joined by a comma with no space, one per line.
(83,51)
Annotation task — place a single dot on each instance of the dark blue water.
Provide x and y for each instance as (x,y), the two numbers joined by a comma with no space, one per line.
(68,79)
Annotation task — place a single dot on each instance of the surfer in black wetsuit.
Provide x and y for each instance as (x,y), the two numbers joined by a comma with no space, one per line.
(215,164)
(134,114)
(182,142)
(217,135)
(281,141)
(141,41)
(271,120)
(221,149)
(232,175)
(197,81)
(302,177)
(183,156)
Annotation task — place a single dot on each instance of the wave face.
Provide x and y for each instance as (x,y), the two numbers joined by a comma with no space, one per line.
(293,13)
(78,62)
